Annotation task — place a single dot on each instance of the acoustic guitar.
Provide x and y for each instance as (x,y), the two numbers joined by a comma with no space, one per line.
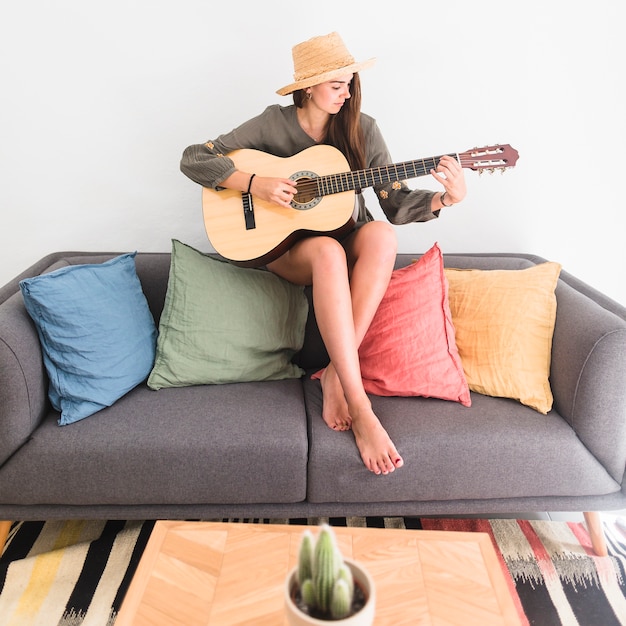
(251,232)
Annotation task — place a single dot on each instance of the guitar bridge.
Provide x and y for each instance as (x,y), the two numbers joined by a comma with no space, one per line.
(248,211)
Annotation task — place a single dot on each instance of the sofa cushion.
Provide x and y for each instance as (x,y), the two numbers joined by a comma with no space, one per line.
(497,448)
(409,348)
(209,444)
(504,321)
(96,331)
(223,324)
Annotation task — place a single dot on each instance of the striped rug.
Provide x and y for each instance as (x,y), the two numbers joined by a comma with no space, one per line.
(68,573)
(76,573)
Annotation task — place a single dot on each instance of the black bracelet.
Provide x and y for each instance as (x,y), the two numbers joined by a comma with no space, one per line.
(250,183)
(442,197)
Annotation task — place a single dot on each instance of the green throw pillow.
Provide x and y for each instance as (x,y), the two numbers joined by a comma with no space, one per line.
(224,324)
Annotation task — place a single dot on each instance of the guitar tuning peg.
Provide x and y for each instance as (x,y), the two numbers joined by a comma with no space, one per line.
(502,170)
(480,171)
(492,170)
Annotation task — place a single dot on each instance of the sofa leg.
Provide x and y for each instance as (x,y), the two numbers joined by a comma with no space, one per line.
(5,527)
(594,527)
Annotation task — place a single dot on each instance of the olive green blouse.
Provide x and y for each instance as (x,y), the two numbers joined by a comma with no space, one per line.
(278,132)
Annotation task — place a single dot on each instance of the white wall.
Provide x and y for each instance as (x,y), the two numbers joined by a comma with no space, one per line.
(99,100)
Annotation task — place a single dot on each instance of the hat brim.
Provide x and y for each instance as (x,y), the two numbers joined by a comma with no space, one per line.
(325,77)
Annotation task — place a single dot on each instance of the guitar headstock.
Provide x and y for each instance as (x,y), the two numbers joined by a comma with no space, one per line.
(490,158)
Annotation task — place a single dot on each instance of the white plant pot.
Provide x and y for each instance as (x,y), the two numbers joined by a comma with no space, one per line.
(365,617)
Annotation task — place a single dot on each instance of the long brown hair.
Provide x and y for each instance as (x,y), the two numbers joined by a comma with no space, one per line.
(344,130)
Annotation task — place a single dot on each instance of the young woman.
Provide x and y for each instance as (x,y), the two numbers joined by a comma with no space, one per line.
(348,277)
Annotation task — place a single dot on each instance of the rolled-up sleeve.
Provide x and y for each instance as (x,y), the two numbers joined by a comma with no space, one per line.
(206,165)
(404,205)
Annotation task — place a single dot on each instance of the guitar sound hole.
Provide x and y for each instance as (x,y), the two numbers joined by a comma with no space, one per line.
(305,197)
(305,192)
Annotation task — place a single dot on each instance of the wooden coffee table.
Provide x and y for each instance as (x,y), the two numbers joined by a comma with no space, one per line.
(226,574)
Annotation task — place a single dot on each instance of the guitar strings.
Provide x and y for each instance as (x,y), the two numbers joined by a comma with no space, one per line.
(350,180)
(357,178)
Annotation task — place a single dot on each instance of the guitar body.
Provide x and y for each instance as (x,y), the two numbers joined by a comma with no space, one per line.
(276,228)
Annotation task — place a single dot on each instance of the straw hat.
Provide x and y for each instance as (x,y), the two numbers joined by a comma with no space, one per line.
(319,60)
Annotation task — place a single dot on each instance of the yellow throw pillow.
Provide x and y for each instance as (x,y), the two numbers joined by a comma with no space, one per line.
(504,322)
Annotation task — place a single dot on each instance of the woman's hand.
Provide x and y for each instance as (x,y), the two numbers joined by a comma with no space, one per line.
(450,174)
(279,191)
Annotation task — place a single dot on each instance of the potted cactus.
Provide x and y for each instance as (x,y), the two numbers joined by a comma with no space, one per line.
(326,587)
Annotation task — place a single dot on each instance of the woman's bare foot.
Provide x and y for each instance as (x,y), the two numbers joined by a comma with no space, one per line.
(377,450)
(335,408)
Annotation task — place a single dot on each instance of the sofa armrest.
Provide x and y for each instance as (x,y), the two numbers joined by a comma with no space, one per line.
(588,372)
(23,379)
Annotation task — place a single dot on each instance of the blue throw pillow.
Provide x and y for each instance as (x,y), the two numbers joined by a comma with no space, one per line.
(96,331)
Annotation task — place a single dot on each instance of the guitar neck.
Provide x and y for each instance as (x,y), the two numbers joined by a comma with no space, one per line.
(360,179)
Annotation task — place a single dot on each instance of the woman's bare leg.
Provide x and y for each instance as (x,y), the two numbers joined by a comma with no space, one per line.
(322,262)
(371,255)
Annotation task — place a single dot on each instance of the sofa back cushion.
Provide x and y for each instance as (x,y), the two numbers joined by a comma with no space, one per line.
(97,334)
(504,322)
(225,324)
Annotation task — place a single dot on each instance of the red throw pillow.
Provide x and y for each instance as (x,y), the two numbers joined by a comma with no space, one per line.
(410,349)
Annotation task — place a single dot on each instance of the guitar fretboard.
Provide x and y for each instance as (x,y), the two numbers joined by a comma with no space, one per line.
(360,179)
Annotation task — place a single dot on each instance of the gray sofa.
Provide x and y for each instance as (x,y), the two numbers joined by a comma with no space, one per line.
(261,449)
